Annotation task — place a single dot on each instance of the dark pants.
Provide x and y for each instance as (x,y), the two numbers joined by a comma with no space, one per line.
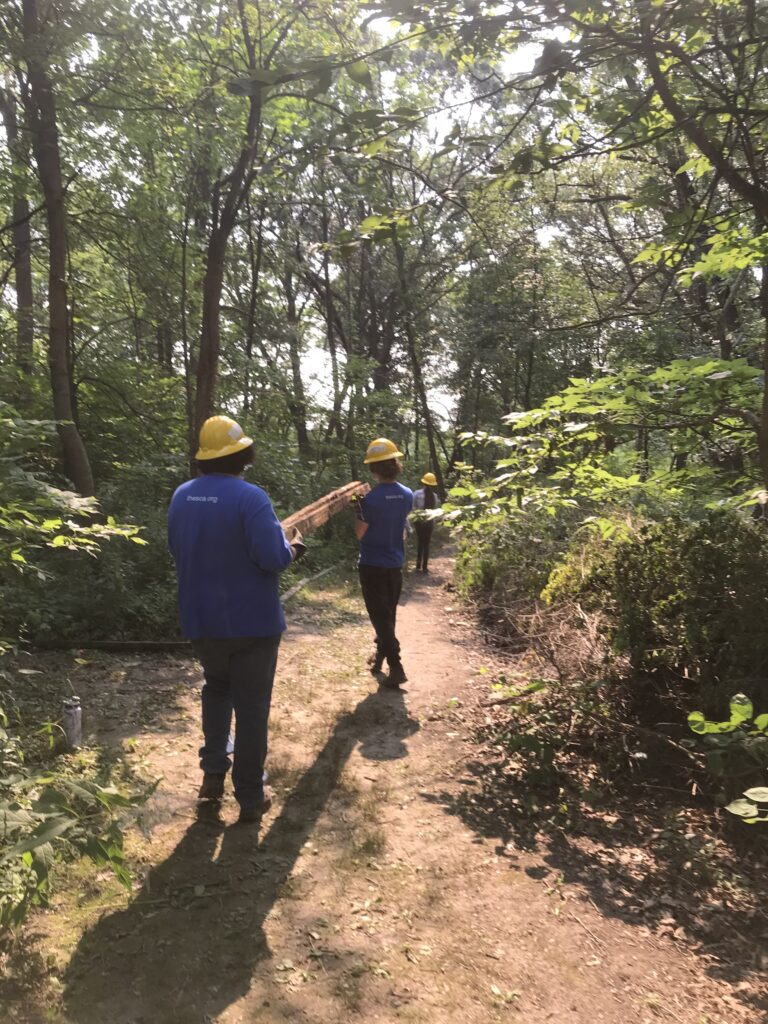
(423,537)
(239,672)
(381,591)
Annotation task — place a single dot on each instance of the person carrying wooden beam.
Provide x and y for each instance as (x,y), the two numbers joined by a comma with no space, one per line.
(380,528)
(229,550)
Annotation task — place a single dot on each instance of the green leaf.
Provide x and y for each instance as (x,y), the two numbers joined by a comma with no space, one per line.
(42,859)
(360,73)
(575,428)
(377,146)
(743,808)
(44,833)
(12,818)
(741,708)
(259,79)
(758,794)
(323,82)
(371,223)
(697,722)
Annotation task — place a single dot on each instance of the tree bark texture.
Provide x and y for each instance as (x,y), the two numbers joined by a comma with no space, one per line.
(41,109)
(418,376)
(298,402)
(22,238)
(762,433)
(236,185)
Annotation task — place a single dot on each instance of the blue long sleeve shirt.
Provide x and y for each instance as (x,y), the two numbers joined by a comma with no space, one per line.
(229,550)
(385,508)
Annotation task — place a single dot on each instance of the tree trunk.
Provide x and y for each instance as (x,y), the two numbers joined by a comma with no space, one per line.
(418,377)
(41,106)
(185,340)
(298,404)
(237,184)
(762,433)
(255,254)
(22,240)
(334,422)
(210,327)
(530,360)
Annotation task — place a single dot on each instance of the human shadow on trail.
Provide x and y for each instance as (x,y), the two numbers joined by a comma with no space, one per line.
(187,946)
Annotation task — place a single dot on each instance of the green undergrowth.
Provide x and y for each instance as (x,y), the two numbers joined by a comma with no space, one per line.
(55,810)
(658,618)
(635,753)
(66,573)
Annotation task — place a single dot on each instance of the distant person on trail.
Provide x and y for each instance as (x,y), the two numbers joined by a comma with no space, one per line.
(425,498)
(760,510)
(229,550)
(380,527)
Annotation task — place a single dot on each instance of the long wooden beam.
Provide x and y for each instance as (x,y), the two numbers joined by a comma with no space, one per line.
(319,512)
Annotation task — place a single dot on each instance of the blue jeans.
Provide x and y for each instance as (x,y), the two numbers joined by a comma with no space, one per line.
(239,673)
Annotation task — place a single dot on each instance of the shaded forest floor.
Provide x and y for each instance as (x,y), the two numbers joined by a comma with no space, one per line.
(383,886)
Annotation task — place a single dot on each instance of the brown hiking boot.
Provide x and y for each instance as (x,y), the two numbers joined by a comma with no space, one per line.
(396,677)
(212,787)
(250,814)
(374,662)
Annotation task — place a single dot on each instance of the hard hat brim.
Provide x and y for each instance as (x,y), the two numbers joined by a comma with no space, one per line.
(203,454)
(382,458)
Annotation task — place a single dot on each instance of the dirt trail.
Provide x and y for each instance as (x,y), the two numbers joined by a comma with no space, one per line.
(363,897)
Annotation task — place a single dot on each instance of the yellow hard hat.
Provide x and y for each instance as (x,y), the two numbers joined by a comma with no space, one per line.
(429,479)
(380,450)
(220,436)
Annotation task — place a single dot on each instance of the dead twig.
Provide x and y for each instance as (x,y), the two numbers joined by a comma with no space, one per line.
(598,942)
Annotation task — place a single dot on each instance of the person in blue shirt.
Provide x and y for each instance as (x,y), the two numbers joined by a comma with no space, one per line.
(229,550)
(380,527)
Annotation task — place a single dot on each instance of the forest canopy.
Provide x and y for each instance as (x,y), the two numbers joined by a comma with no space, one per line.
(340,220)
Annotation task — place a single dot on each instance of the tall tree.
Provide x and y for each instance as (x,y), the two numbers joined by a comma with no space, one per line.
(22,234)
(40,103)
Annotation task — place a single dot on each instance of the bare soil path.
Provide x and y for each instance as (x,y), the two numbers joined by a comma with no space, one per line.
(363,897)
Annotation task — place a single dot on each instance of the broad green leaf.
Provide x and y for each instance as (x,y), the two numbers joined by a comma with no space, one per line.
(377,146)
(743,808)
(360,73)
(323,82)
(758,794)
(42,859)
(46,831)
(254,83)
(741,708)
(699,724)
(13,817)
